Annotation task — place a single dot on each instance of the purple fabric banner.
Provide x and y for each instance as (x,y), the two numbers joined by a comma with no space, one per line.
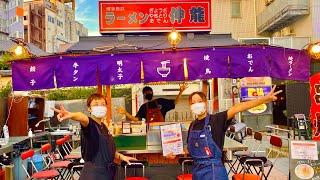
(167,66)
(289,64)
(77,71)
(33,74)
(207,63)
(119,69)
(249,62)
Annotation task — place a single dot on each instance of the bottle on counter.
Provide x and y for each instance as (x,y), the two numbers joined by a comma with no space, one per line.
(30,133)
(5,132)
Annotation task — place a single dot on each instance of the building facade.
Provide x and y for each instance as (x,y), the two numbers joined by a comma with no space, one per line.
(80,30)
(11,19)
(58,25)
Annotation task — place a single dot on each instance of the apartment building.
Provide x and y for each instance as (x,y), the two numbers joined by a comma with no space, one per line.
(11,19)
(289,23)
(57,25)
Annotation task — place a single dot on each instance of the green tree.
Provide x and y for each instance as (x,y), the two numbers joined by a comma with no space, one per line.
(4,58)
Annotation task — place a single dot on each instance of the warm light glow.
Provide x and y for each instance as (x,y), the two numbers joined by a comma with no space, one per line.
(19,50)
(315,48)
(174,38)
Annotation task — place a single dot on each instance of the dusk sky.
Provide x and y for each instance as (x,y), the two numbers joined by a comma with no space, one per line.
(87,14)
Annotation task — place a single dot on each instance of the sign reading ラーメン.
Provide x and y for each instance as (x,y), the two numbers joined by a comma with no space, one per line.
(154,16)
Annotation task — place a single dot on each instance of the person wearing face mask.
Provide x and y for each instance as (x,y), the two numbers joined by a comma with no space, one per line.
(97,144)
(154,110)
(206,135)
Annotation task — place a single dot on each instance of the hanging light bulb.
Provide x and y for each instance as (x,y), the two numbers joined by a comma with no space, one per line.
(174,38)
(314,50)
(18,50)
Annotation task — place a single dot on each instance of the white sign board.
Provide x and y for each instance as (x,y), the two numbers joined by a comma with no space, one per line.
(304,150)
(171,139)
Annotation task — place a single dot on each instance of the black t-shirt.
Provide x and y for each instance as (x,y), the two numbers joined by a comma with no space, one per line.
(165,105)
(219,125)
(90,140)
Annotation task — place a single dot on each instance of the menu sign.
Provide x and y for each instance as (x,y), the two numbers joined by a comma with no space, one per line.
(253,88)
(304,160)
(304,150)
(154,16)
(171,139)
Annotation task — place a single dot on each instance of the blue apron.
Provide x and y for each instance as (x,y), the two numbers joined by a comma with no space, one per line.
(206,155)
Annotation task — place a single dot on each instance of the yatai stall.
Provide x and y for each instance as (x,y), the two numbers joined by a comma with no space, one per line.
(143,139)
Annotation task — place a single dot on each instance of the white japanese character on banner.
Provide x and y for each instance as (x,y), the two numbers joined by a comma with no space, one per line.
(120,76)
(120,63)
(208,71)
(75,65)
(249,56)
(33,82)
(206,57)
(250,69)
(120,70)
(32,69)
(75,79)
(75,72)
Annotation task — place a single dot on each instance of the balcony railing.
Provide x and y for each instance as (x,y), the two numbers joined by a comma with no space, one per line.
(291,42)
(281,13)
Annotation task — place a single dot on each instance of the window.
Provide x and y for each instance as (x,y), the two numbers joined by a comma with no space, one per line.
(235,8)
(25,17)
(50,19)
(59,23)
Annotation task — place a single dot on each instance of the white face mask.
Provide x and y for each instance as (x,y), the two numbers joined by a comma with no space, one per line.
(99,111)
(198,108)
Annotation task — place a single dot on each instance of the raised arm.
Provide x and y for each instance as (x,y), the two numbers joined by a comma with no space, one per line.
(253,103)
(121,110)
(63,114)
(183,87)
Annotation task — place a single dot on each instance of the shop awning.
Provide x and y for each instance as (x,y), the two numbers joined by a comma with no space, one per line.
(161,66)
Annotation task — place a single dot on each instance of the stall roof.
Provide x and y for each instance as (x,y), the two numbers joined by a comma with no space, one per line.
(152,42)
(6,45)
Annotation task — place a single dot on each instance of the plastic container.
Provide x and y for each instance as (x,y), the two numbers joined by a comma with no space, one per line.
(38,162)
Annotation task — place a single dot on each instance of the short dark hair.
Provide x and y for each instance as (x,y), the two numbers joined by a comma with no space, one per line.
(201,94)
(95,96)
(147,88)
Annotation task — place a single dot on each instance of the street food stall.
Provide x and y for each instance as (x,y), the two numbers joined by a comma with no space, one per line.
(167,65)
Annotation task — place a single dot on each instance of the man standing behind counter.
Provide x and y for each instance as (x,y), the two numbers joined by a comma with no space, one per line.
(154,110)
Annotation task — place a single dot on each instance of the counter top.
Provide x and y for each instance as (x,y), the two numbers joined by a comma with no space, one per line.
(12,140)
(229,145)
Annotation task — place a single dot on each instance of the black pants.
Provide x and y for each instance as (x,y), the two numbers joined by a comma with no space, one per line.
(92,172)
